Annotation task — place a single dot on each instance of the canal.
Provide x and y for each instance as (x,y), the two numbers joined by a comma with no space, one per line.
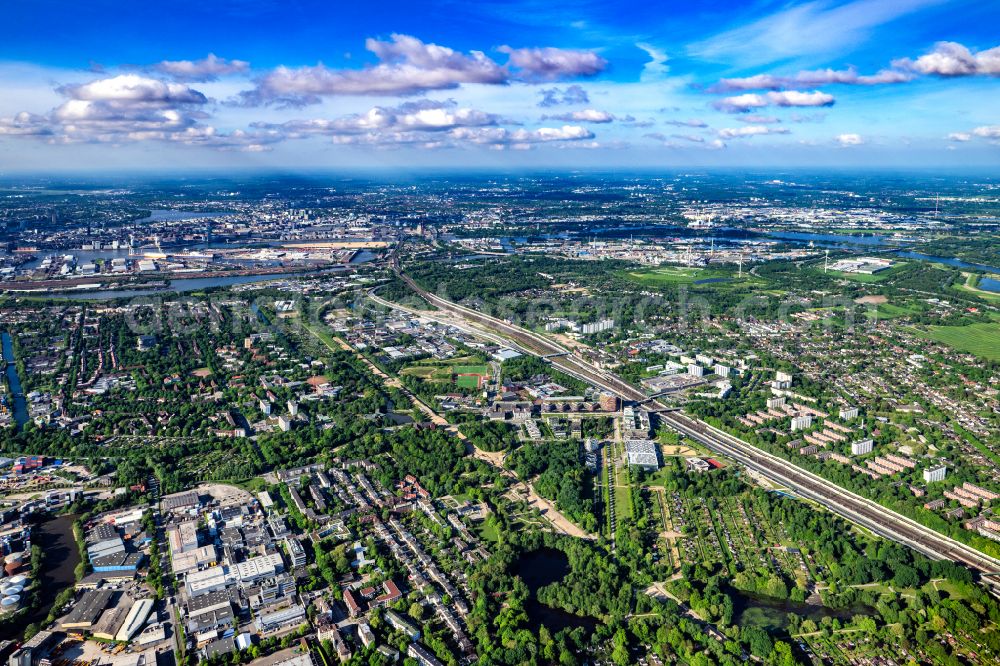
(55,536)
(19,406)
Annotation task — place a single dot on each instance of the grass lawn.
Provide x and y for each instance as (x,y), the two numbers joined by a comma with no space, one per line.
(668,275)
(623,503)
(422,371)
(470,370)
(892,310)
(487,532)
(979,339)
(467,381)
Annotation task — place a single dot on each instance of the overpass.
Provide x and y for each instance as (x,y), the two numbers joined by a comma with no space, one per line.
(852,506)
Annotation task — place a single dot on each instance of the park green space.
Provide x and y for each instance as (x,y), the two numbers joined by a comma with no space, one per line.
(893,310)
(677,275)
(980,339)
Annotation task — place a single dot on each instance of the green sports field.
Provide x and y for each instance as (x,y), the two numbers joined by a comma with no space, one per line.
(463,372)
(467,381)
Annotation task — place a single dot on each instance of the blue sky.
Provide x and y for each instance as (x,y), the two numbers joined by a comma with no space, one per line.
(248,83)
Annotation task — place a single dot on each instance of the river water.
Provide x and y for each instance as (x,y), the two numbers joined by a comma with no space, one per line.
(19,406)
(838,240)
(833,240)
(170,215)
(949,261)
(55,536)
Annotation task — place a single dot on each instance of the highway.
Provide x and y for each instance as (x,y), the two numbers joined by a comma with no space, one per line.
(854,507)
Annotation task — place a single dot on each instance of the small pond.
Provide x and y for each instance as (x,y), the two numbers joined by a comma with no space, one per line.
(771,613)
(540,568)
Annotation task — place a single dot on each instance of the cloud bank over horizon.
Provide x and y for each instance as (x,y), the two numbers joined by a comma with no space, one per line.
(481,95)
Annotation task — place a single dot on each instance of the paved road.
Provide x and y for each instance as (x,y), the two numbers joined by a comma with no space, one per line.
(850,505)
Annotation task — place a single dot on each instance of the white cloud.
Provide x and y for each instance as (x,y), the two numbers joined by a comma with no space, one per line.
(571,95)
(132,88)
(25,124)
(850,140)
(749,131)
(408,66)
(785,98)
(500,137)
(425,116)
(583,116)
(951,59)
(810,28)
(632,121)
(208,68)
(130,108)
(549,63)
(757,119)
(425,124)
(948,59)
(812,78)
(693,122)
(816,117)
(798,98)
(657,67)
(960,136)
(741,103)
(988,131)
(685,141)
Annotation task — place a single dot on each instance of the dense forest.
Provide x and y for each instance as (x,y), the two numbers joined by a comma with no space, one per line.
(559,475)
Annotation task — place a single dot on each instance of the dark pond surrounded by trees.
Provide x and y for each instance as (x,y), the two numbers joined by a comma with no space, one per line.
(772,613)
(540,568)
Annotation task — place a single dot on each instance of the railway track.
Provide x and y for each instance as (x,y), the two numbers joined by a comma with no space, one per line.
(853,507)
(858,509)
